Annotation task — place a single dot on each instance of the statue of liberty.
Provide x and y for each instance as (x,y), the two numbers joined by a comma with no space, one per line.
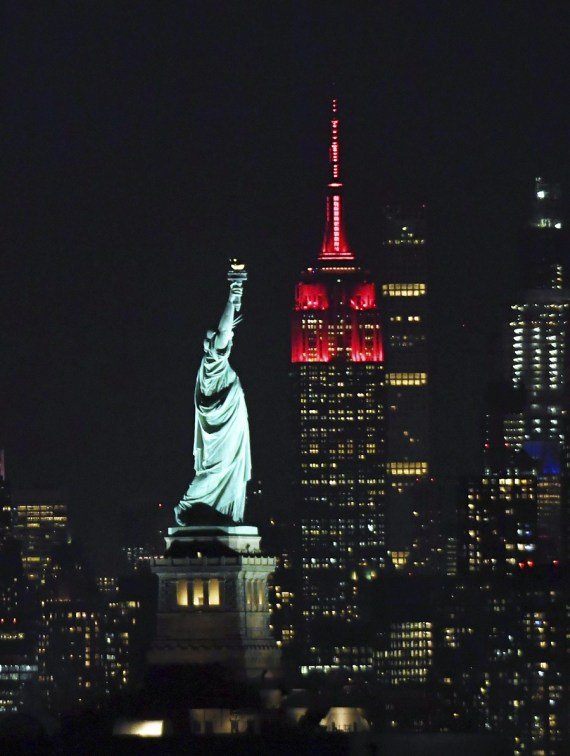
(222,458)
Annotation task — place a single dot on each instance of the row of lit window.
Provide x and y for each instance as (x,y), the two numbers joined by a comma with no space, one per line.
(198,592)
(404,289)
(408,468)
(406,379)
(344,482)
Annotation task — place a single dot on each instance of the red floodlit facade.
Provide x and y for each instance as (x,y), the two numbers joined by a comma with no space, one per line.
(337,356)
(335,315)
(336,319)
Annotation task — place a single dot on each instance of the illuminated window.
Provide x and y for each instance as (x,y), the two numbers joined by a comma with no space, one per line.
(408,468)
(213,592)
(404,290)
(198,593)
(145,729)
(406,379)
(182,592)
(260,593)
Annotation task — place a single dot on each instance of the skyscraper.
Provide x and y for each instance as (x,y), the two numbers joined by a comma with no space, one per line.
(545,249)
(6,506)
(404,274)
(18,663)
(500,521)
(337,362)
(538,352)
(500,656)
(41,525)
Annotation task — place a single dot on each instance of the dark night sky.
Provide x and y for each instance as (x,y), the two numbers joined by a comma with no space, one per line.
(146,142)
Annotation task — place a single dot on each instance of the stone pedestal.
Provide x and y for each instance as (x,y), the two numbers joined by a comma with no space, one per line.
(212,601)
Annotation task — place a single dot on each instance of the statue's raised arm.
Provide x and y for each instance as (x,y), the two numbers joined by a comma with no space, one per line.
(227,322)
(222,459)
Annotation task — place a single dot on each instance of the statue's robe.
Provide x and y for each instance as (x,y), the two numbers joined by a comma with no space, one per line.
(222,456)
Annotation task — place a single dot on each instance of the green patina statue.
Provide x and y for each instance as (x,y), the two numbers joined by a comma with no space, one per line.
(222,457)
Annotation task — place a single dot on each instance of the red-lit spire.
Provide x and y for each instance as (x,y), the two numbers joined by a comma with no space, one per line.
(335,246)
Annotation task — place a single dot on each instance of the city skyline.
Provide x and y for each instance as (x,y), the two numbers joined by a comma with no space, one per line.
(117,210)
(399,577)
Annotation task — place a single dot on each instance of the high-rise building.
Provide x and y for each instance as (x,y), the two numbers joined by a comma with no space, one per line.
(546,256)
(119,618)
(18,658)
(408,656)
(538,336)
(7,514)
(508,621)
(41,525)
(500,521)
(404,273)
(538,355)
(499,509)
(10,548)
(283,585)
(500,656)
(431,550)
(89,644)
(18,662)
(337,363)
(69,654)
(139,557)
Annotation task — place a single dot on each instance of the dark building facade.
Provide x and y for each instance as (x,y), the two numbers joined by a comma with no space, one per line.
(18,658)
(503,647)
(337,364)
(500,657)
(404,273)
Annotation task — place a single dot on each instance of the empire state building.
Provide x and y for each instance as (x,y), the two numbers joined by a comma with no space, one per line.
(337,361)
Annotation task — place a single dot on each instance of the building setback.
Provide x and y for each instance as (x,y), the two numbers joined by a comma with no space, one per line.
(337,363)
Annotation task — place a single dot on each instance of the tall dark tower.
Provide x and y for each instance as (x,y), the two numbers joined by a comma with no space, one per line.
(338,369)
(404,269)
(18,654)
(10,549)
